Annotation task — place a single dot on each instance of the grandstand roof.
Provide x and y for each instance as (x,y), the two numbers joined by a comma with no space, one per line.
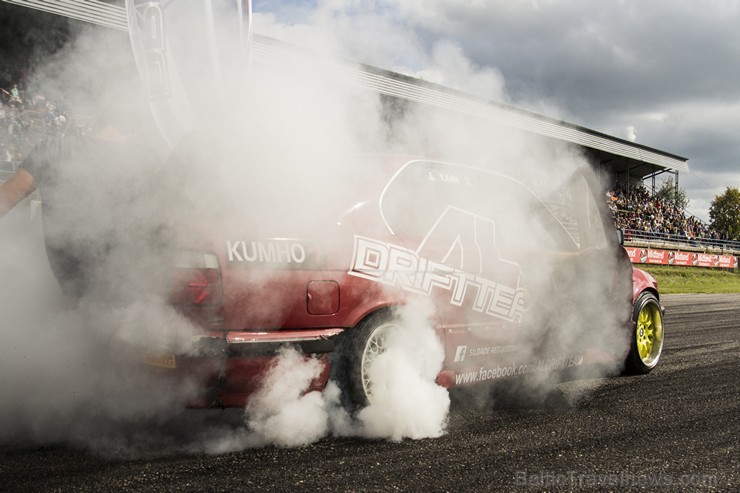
(621,156)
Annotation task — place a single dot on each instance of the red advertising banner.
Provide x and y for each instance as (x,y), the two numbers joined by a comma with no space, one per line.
(669,257)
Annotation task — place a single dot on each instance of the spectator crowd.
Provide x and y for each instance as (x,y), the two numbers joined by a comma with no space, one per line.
(640,211)
(26,118)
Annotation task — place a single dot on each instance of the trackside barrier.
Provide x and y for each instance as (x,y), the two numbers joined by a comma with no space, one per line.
(689,259)
(680,242)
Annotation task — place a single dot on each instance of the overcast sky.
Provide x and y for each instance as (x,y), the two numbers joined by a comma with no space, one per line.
(664,73)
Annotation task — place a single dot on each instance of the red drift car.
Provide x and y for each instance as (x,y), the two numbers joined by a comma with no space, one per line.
(521,285)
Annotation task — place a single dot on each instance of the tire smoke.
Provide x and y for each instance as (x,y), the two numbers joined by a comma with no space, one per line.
(273,159)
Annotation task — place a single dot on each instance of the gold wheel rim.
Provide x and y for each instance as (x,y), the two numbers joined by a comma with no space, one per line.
(649,334)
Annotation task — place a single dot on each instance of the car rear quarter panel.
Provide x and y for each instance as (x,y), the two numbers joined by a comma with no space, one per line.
(255,302)
(642,281)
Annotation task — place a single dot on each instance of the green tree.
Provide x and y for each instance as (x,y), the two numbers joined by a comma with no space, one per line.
(670,193)
(724,213)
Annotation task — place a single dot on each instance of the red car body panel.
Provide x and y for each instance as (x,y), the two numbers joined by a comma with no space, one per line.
(641,282)
(304,289)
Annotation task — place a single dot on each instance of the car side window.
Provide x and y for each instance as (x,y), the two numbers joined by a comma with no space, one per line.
(576,207)
(436,199)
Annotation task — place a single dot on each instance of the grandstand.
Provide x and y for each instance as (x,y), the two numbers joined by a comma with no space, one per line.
(626,164)
(648,221)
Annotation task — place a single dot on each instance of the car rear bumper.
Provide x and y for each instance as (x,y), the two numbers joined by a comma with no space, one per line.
(229,366)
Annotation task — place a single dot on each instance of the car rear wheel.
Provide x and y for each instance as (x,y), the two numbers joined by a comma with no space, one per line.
(646,342)
(364,343)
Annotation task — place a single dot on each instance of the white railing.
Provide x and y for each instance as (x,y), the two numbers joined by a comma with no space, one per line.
(679,241)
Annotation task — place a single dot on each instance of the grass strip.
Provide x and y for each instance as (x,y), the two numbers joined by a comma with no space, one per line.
(676,279)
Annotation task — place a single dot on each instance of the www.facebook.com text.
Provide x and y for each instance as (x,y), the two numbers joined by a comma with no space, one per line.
(543,365)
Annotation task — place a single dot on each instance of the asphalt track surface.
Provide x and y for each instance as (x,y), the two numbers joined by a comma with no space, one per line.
(675,429)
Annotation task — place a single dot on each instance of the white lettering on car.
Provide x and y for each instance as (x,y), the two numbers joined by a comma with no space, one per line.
(284,252)
(460,353)
(542,365)
(489,350)
(397,266)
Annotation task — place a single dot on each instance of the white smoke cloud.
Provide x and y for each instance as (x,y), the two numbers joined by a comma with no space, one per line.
(73,370)
(272,160)
(281,412)
(406,402)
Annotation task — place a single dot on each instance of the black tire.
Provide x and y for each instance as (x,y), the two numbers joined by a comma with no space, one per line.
(646,339)
(358,349)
